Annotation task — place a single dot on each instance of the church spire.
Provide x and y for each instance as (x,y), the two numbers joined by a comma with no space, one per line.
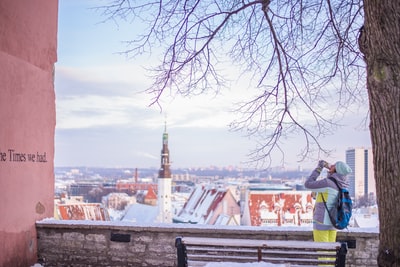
(165,171)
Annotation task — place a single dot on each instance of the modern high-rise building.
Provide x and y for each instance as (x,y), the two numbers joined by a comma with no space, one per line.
(362,180)
(164,183)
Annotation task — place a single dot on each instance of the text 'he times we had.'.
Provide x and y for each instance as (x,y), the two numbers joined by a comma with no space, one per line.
(12,155)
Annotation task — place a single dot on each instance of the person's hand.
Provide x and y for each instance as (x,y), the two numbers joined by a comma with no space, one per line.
(321,164)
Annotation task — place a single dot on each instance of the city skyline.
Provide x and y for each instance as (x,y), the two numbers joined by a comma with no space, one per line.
(104,118)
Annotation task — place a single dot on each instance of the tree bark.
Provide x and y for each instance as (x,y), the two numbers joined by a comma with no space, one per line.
(381,47)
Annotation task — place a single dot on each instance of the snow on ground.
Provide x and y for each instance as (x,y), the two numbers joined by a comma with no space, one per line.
(235,264)
(230,264)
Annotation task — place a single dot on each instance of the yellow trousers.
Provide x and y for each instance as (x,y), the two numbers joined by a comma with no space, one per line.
(324,236)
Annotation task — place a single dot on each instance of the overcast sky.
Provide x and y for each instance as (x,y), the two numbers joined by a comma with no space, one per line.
(104,119)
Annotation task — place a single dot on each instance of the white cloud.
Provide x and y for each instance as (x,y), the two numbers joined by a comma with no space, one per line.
(92,111)
(101,96)
(119,72)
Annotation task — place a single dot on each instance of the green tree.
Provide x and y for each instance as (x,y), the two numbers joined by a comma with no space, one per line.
(302,59)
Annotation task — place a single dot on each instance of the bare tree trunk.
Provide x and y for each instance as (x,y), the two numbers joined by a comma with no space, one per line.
(380,42)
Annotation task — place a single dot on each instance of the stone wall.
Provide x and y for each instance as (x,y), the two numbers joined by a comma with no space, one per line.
(82,243)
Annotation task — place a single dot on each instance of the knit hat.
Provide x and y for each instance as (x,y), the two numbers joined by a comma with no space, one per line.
(342,168)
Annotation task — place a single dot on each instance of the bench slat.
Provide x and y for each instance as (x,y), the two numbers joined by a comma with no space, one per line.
(261,243)
(220,258)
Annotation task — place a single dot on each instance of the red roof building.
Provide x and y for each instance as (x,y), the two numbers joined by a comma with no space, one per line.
(82,211)
(148,197)
(134,186)
(275,208)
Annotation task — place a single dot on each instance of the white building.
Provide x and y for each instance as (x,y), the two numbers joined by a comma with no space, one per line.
(362,180)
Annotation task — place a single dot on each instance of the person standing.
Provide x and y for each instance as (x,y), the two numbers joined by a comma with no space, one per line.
(326,189)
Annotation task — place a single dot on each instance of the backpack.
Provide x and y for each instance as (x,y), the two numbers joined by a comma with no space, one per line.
(340,214)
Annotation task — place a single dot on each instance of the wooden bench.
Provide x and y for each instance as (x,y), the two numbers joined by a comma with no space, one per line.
(198,251)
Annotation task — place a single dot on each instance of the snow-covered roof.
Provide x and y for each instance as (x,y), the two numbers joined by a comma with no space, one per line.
(365,220)
(141,213)
(201,204)
(82,211)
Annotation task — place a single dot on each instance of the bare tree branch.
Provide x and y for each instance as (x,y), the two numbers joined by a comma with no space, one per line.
(297,54)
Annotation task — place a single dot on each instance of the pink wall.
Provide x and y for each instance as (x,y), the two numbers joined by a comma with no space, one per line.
(28,51)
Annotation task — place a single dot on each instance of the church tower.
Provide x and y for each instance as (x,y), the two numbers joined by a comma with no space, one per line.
(164,183)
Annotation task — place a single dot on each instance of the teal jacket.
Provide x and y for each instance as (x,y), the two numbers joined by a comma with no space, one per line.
(329,190)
